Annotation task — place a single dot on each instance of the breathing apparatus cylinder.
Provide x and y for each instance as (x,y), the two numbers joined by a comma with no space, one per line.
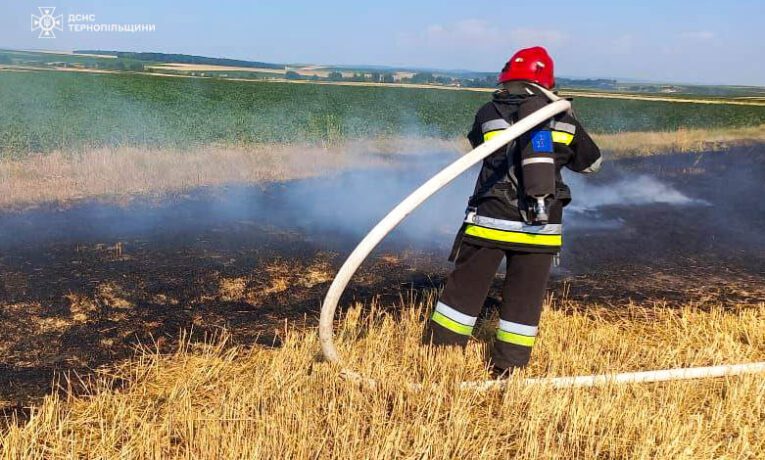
(537,181)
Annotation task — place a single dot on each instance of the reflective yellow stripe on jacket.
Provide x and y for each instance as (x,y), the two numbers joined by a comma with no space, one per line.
(493,127)
(513,237)
(557,136)
(487,137)
(562,137)
(563,133)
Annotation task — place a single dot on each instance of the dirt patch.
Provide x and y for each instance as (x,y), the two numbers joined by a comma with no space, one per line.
(215,68)
(682,100)
(277,277)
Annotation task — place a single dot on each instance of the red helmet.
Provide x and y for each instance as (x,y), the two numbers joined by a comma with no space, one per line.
(532,64)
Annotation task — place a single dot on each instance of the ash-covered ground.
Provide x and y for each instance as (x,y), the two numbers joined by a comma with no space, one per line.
(83,284)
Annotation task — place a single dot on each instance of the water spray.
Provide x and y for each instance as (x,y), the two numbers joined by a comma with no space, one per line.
(419,196)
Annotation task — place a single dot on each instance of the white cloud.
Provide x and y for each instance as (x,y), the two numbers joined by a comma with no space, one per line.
(467,32)
(524,37)
(698,35)
(624,44)
(480,33)
(689,44)
(472,43)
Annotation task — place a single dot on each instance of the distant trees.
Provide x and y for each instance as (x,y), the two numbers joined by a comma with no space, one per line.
(118,64)
(423,77)
(487,81)
(599,83)
(375,76)
(135,66)
(184,59)
(361,76)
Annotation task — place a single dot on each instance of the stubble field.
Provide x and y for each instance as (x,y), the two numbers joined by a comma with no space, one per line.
(228,208)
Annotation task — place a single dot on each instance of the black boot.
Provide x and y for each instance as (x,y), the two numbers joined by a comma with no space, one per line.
(438,336)
(498,373)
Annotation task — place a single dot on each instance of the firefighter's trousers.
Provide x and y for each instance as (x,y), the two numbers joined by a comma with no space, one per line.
(466,289)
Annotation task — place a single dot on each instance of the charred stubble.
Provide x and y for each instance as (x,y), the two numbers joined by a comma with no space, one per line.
(82,286)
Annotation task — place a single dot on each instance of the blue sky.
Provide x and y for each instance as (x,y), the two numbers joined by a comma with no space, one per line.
(679,41)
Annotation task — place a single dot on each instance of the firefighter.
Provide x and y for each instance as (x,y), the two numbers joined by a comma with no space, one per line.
(515,213)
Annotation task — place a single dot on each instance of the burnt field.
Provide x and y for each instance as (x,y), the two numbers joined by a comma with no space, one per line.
(82,284)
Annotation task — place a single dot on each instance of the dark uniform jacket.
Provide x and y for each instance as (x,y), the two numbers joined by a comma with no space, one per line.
(497,211)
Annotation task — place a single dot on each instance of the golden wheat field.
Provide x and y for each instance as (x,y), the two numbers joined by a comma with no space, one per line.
(216,401)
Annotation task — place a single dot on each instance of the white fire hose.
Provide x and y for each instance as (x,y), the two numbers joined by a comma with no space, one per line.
(425,191)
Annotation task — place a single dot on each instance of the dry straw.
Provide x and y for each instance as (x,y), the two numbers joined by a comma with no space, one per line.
(217,401)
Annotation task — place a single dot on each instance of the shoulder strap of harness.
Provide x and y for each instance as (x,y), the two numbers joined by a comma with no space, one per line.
(511,116)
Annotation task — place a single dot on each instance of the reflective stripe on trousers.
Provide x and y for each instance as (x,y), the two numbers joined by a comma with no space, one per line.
(453,320)
(464,295)
(516,333)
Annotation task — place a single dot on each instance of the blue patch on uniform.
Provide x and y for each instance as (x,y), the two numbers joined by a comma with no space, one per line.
(541,141)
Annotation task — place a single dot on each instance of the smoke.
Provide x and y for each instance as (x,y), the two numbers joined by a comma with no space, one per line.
(584,212)
(646,211)
(637,190)
(351,203)
(343,206)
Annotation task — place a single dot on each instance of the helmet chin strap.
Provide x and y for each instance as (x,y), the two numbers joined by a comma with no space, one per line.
(550,95)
